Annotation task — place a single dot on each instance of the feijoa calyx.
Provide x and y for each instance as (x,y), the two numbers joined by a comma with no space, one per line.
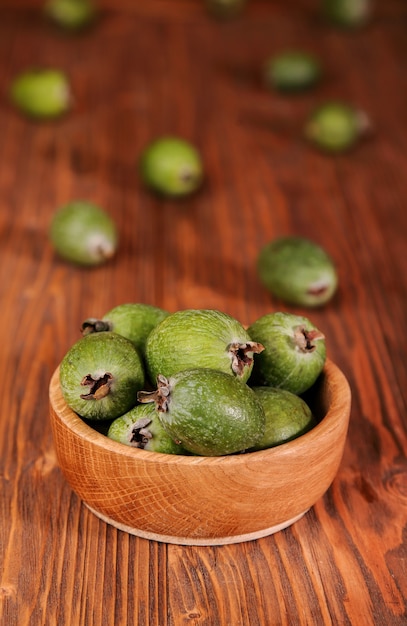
(297,271)
(208,412)
(133,320)
(294,352)
(200,338)
(100,376)
(141,428)
(83,233)
(287,416)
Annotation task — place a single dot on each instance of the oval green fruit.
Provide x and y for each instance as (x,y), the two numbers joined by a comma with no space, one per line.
(100,376)
(71,15)
(347,13)
(287,416)
(196,338)
(294,352)
(292,70)
(171,166)
(83,233)
(41,93)
(141,428)
(133,320)
(336,126)
(208,412)
(297,271)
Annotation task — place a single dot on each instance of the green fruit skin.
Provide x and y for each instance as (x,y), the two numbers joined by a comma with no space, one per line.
(194,338)
(84,234)
(333,127)
(95,355)
(212,414)
(171,166)
(122,428)
(297,271)
(282,364)
(347,13)
(71,15)
(287,416)
(135,321)
(292,71)
(41,93)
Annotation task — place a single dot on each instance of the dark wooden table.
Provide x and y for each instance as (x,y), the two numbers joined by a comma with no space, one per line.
(163,66)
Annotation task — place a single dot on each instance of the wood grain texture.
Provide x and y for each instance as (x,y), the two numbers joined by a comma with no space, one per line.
(158,67)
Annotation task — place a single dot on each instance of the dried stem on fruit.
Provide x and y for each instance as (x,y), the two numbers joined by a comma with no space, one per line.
(98,387)
(160,396)
(94,325)
(305,340)
(242,355)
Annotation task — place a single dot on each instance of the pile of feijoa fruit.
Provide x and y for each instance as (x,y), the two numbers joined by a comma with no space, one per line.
(194,382)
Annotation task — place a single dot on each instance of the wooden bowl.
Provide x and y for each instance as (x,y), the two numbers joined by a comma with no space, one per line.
(195,500)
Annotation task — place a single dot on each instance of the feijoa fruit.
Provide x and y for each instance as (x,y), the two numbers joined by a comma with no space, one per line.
(100,376)
(83,233)
(141,428)
(208,412)
(297,271)
(294,352)
(200,338)
(292,70)
(336,126)
(171,166)
(287,416)
(70,15)
(41,93)
(133,320)
(347,13)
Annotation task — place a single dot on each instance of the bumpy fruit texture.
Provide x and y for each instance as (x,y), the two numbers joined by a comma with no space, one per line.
(208,412)
(41,93)
(171,166)
(141,428)
(292,70)
(83,233)
(133,320)
(347,13)
(200,338)
(335,126)
(71,15)
(294,352)
(297,271)
(100,376)
(287,416)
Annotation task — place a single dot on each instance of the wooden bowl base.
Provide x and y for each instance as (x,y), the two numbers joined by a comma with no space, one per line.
(188,541)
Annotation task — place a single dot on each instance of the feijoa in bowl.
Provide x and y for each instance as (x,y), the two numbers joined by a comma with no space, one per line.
(200,500)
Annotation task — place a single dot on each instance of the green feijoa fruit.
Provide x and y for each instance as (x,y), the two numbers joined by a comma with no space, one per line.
(100,376)
(297,271)
(205,338)
(70,15)
(294,352)
(208,412)
(336,126)
(225,9)
(347,13)
(287,416)
(83,233)
(171,166)
(134,321)
(41,93)
(292,70)
(141,428)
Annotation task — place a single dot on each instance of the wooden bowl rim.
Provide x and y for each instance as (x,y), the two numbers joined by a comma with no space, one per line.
(339,409)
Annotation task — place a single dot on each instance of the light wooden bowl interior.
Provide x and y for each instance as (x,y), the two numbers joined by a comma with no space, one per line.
(204,500)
